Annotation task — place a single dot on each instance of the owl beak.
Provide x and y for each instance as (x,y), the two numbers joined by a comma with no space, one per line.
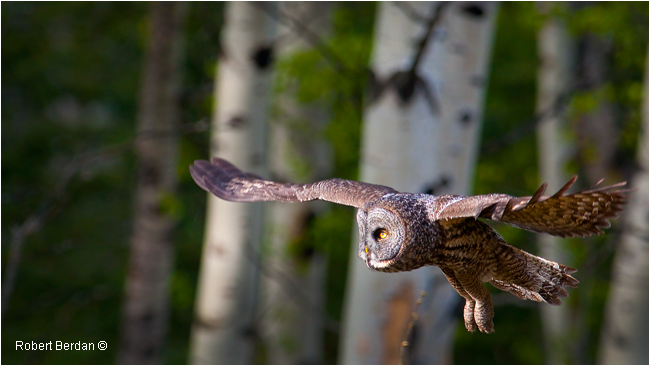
(367,256)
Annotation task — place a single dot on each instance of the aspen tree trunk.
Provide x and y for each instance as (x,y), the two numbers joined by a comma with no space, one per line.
(379,304)
(595,132)
(467,53)
(401,149)
(294,284)
(624,337)
(146,306)
(552,81)
(224,331)
(461,88)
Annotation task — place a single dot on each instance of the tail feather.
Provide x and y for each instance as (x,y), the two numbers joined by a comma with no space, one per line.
(530,277)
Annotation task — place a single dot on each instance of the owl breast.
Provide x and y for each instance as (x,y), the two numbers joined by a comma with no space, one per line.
(395,234)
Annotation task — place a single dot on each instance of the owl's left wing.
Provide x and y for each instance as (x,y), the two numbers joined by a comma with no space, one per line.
(582,213)
(227,182)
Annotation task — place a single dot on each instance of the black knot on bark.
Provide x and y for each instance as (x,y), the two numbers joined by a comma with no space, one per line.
(473,10)
(263,57)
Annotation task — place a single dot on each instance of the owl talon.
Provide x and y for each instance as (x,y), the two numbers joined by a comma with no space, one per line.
(487,327)
(474,319)
(471,326)
(468,315)
(483,314)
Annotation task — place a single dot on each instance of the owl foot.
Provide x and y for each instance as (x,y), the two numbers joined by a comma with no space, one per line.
(478,315)
(468,315)
(483,314)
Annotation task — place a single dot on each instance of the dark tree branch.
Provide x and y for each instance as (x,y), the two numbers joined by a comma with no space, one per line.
(409,330)
(529,125)
(18,235)
(422,44)
(406,82)
(53,204)
(411,13)
(287,283)
(47,211)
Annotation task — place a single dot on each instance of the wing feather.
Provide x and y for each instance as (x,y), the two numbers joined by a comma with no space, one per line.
(582,213)
(227,182)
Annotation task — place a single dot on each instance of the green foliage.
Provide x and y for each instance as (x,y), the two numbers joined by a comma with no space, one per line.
(170,205)
(509,105)
(353,25)
(71,80)
(624,26)
(337,79)
(625,23)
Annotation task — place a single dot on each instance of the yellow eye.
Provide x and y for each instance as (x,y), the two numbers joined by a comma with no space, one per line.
(366,250)
(380,234)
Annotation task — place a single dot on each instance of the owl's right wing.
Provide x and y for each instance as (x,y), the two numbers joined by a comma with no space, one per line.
(582,213)
(227,182)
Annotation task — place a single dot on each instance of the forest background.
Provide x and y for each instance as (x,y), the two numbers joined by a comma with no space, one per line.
(71,78)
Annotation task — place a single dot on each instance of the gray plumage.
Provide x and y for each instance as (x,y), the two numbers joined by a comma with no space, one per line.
(405,231)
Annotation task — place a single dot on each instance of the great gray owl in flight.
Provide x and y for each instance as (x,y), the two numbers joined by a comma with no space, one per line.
(404,231)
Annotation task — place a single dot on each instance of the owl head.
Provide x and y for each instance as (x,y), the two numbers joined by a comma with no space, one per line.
(395,233)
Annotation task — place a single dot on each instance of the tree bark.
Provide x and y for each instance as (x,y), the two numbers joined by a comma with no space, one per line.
(410,129)
(461,83)
(624,337)
(146,306)
(461,88)
(552,82)
(372,298)
(596,148)
(224,331)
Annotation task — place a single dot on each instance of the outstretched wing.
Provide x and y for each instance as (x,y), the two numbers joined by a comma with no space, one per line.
(582,213)
(227,182)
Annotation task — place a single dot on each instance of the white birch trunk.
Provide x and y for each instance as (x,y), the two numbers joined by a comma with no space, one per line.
(224,328)
(461,91)
(624,338)
(387,158)
(467,55)
(401,149)
(552,82)
(293,288)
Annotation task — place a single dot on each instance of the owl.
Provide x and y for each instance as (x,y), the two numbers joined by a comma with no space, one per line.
(405,231)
